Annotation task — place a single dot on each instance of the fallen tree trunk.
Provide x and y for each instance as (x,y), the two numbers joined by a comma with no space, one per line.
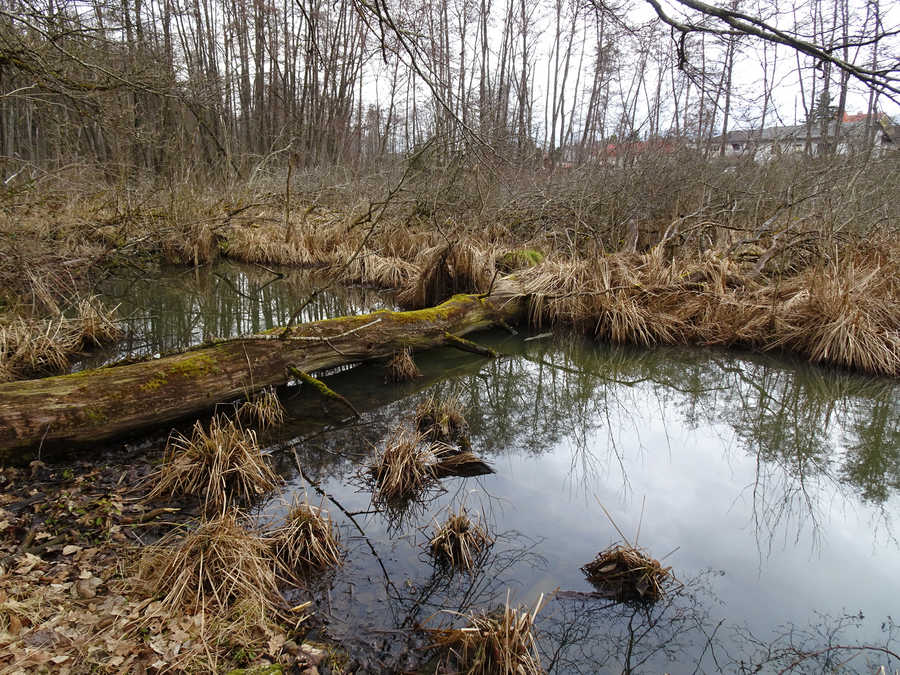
(121,399)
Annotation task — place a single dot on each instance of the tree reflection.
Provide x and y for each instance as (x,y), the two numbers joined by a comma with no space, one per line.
(584,634)
(809,431)
(177,308)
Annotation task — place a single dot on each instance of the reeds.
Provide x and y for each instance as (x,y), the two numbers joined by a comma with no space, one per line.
(402,368)
(31,348)
(221,466)
(372,269)
(461,267)
(441,420)
(403,469)
(848,315)
(843,313)
(308,541)
(216,567)
(626,573)
(262,410)
(496,643)
(459,542)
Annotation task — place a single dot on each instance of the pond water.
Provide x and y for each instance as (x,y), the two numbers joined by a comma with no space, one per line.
(769,486)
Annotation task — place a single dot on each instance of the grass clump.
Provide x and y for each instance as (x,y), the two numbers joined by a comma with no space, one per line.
(497,643)
(263,410)
(441,420)
(461,267)
(308,541)
(220,465)
(459,542)
(30,347)
(403,470)
(627,574)
(219,567)
(402,368)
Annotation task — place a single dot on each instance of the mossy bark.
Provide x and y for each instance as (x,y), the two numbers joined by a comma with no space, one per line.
(118,400)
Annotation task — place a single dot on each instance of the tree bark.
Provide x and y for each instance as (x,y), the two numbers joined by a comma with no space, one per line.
(122,399)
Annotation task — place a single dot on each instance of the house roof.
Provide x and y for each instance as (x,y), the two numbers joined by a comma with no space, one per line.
(851,126)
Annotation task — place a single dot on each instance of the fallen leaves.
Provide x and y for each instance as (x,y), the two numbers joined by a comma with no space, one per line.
(67,603)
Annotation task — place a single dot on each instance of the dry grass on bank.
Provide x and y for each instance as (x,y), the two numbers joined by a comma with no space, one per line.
(459,541)
(373,269)
(447,269)
(220,570)
(222,466)
(308,542)
(441,420)
(621,261)
(842,312)
(493,643)
(402,368)
(30,348)
(627,573)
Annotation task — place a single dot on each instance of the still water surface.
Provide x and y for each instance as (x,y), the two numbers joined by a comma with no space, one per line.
(770,486)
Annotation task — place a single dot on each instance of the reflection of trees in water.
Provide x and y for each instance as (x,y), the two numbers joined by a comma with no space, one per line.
(824,646)
(803,423)
(589,635)
(808,428)
(873,453)
(178,308)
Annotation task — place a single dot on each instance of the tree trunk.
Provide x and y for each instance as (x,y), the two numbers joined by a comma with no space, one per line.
(121,399)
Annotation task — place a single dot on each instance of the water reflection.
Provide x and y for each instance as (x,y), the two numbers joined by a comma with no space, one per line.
(175,308)
(778,481)
(776,476)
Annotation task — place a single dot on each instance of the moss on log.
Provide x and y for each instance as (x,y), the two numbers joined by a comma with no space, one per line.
(122,399)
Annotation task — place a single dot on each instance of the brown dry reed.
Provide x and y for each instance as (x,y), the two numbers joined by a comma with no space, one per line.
(460,267)
(218,567)
(30,348)
(403,469)
(402,368)
(626,573)
(843,312)
(496,643)
(441,420)
(220,465)
(459,542)
(263,410)
(308,542)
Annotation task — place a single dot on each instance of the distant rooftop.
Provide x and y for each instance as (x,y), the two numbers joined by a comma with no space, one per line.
(851,124)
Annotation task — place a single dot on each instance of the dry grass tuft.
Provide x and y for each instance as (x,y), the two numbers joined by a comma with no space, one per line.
(30,348)
(221,466)
(263,410)
(497,643)
(372,269)
(441,420)
(95,324)
(843,312)
(402,368)
(459,542)
(462,267)
(308,541)
(403,470)
(627,573)
(218,567)
(848,315)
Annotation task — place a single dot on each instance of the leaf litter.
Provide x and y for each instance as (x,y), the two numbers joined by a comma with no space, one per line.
(68,603)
